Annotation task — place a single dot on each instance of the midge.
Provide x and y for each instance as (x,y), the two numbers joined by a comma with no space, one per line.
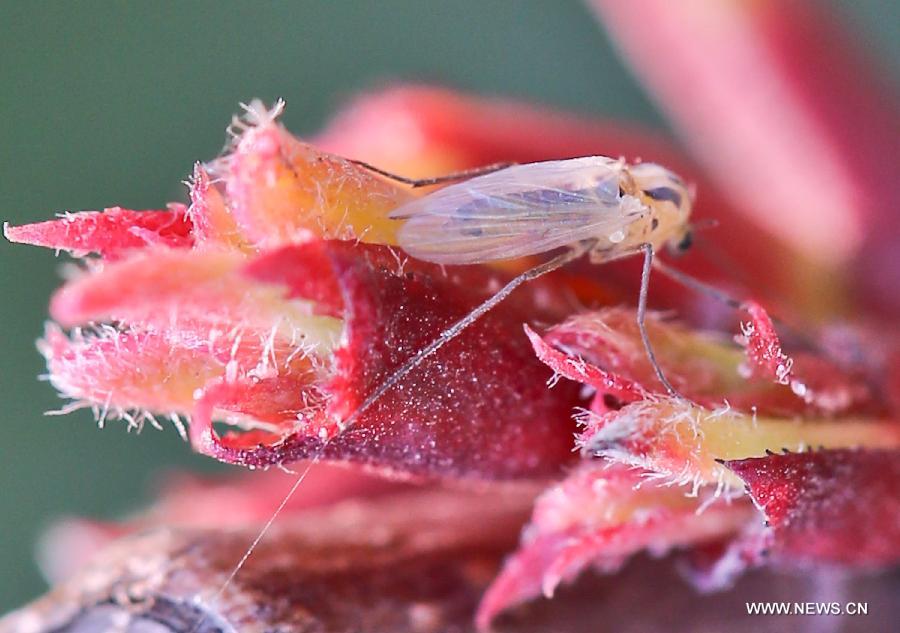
(593,205)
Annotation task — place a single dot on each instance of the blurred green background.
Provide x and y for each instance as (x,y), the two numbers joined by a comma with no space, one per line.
(110,103)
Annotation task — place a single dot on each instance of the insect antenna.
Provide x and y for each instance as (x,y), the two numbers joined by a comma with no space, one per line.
(436,180)
(797,335)
(695,284)
(716,255)
(401,372)
(705,224)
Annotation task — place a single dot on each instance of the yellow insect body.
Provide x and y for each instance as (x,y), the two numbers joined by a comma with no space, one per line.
(533,208)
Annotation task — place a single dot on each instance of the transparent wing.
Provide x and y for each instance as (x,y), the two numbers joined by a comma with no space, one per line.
(518,211)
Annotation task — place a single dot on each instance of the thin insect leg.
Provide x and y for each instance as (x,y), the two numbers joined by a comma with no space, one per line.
(262,533)
(436,180)
(454,330)
(642,313)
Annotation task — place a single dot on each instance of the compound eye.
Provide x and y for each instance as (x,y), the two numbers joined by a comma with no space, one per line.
(685,242)
(664,193)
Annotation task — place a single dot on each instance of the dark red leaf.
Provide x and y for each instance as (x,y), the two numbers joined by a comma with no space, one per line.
(478,407)
(829,506)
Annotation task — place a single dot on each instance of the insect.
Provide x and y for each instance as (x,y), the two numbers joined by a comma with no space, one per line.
(593,205)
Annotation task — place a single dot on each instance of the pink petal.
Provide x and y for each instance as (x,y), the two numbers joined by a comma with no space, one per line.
(763,346)
(601,516)
(708,369)
(133,373)
(606,383)
(174,289)
(110,232)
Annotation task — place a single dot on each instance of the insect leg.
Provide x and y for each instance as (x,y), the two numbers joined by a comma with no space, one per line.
(641,314)
(436,180)
(456,329)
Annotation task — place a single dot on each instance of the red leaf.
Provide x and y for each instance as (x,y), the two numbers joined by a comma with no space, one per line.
(478,407)
(764,347)
(708,370)
(110,232)
(829,506)
(727,414)
(573,368)
(601,515)
(814,378)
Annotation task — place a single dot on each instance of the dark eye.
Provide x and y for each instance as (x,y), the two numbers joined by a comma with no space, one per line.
(665,193)
(685,242)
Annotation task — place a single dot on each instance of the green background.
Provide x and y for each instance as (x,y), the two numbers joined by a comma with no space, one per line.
(111,103)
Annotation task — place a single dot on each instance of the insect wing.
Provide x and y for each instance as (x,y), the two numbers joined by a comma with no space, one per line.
(518,211)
